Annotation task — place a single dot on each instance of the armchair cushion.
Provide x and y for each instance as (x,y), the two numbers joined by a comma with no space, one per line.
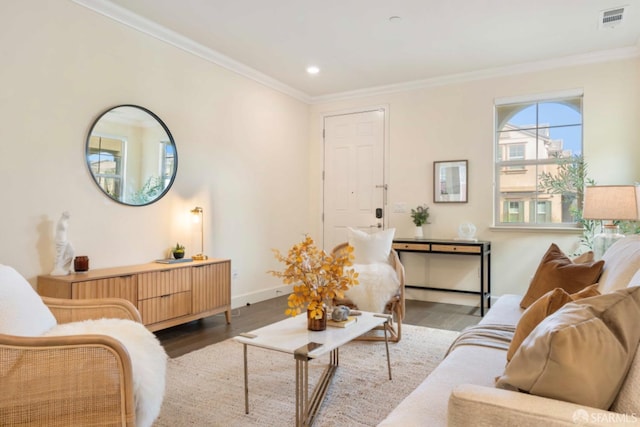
(22,312)
(148,359)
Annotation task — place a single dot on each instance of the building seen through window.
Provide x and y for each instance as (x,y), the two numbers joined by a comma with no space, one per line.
(538,150)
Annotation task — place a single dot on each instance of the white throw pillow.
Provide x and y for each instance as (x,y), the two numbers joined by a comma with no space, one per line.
(22,311)
(635,280)
(371,248)
(621,262)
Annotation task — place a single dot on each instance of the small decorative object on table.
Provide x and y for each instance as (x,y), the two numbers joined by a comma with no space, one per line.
(340,313)
(420,216)
(178,251)
(317,277)
(81,264)
(467,232)
(340,317)
(64,249)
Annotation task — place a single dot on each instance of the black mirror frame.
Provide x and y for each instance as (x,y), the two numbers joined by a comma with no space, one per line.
(166,129)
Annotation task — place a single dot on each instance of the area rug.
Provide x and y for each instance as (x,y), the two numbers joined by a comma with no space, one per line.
(206,387)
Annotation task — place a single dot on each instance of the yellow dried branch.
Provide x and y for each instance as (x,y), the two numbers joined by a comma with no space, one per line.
(315,275)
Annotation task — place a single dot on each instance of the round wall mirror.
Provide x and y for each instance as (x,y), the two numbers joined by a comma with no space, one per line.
(131,155)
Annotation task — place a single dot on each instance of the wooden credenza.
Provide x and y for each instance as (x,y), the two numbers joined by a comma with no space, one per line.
(165,294)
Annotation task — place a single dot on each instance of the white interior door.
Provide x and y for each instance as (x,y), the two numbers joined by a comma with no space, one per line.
(354,184)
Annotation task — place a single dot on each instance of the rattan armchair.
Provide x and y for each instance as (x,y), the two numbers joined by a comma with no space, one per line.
(395,305)
(76,380)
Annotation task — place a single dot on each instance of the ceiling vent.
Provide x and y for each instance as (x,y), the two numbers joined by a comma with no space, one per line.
(611,18)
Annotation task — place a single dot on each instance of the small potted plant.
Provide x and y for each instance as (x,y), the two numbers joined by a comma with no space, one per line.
(420,216)
(178,251)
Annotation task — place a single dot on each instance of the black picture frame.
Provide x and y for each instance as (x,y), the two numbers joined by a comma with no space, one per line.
(450,181)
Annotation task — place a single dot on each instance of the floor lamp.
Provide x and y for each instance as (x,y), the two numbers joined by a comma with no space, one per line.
(198,216)
(610,203)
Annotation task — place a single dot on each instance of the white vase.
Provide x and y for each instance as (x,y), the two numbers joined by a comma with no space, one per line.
(418,234)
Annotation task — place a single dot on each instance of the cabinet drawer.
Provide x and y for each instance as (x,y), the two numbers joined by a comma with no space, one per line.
(425,247)
(456,248)
(164,282)
(157,309)
(110,287)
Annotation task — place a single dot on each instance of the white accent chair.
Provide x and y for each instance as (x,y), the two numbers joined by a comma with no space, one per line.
(381,277)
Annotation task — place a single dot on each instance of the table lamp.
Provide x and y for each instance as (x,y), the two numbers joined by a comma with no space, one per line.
(610,203)
(198,216)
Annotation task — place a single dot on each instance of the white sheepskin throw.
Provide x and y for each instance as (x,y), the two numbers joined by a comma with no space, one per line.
(148,360)
(377,284)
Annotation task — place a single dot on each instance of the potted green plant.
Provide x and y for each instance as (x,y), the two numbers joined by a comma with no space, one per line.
(178,251)
(420,216)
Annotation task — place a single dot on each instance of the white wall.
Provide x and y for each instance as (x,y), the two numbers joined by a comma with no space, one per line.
(251,156)
(455,122)
(242,148)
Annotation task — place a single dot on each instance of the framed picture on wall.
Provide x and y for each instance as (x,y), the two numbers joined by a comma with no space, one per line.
(450,183)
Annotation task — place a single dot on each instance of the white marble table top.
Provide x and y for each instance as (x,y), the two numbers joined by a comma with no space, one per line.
(290,334)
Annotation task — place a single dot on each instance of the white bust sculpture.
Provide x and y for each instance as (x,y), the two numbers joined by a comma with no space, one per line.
(64,251)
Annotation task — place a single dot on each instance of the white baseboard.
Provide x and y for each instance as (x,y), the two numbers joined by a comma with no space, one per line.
(445,297)
(416,294)
(257,296)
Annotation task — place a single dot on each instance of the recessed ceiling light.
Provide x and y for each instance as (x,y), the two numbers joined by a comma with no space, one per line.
(312,69)
(395,19)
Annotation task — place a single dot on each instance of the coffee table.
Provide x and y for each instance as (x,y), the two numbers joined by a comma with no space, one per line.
(290,336)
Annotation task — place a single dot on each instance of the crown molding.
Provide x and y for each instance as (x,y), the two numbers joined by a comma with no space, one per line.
(159,32)
(146,26)
(567,61)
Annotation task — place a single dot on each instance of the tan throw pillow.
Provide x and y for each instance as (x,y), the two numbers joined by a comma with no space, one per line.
(546,305)
(584,258)
(556,270)
(581,353)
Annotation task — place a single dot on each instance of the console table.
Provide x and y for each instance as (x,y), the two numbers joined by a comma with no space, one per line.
(481,249)
(165,294)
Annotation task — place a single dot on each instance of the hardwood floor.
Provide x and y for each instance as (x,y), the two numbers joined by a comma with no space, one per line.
(185,338)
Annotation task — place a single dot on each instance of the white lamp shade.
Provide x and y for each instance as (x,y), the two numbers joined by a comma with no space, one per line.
(612,202)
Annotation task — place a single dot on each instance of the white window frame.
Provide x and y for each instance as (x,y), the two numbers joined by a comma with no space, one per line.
(120,176)
(498,214)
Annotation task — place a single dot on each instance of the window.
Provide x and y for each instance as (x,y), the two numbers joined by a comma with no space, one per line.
(515,152)
(541,211)
(536,142)
(168,161)
(513,211)
(106,159)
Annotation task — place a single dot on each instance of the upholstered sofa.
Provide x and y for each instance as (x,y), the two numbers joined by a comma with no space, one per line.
(463,390)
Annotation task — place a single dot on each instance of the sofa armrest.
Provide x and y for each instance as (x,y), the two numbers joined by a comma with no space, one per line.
(473,405)
(65,380)
(73,310)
